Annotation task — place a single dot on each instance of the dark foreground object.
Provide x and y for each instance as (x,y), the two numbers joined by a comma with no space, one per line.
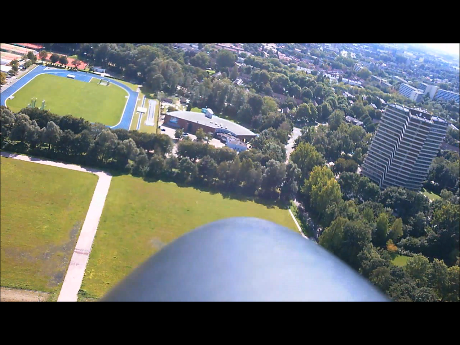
(243,259)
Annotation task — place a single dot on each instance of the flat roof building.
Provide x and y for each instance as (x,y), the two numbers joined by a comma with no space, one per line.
(446,95)
(406,141)
(191,121)
(430,89)
(411,92)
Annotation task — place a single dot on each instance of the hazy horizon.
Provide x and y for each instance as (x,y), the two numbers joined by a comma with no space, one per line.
(450,48)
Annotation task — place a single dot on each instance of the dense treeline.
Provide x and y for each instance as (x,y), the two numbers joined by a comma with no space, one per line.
(253,173)
(340,206)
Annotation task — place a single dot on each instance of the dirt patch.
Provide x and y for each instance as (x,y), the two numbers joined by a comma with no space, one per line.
(157,243)
(19,295)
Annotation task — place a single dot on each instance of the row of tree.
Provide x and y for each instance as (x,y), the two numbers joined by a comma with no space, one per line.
(69,139)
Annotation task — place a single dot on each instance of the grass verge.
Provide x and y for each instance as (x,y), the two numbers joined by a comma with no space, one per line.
(42,211)
(140,218)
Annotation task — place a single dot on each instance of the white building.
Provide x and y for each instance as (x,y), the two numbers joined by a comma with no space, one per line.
(5,69)
(431,89)
(236,144)
(411,92)
(403,147)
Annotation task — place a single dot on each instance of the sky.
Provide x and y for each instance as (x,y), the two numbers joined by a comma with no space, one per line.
(452,48)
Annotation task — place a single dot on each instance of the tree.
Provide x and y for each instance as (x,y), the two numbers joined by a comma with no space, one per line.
(417,268)
(207,168)
(178,133)
(225,58)
(156,167)
(31,56)
(318,93)
(381,277)
(445,222)
(54,58)
(321,190)
(306,157)
(273,176)
(326,111)
(51,134)
(256,102)
(368,214)
(3,78)
(43,54)
(200,60)
(63,60)
(332,237)
(187,169)
(370,259)
(356,235)
(200,134)
(289,186)
(336,119)
(344,165)
(303,113)
(396,230)
(245,113)
(141,164)
(381,230)
(364,73)
(156,83)
(269,105)
(234,72)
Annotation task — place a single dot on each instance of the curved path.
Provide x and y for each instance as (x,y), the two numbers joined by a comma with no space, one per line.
(75,272)
(130,105)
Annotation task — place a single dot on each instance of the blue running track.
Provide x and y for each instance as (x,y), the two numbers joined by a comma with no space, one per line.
(128,112)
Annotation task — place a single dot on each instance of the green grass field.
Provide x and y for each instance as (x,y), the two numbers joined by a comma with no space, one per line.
(430,195)
(400,260)
(63,96)
(42,211)
(139,218)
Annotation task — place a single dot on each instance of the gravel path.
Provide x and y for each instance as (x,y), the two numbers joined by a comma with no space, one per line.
(19,295)
(290,145)
(80,256)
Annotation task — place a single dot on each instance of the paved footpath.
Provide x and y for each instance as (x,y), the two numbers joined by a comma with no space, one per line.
(80,256)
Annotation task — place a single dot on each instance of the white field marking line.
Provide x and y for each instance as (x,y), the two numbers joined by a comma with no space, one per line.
(132,117)
(140,115)
(23,86)
(139,121)
(77,266)
(91,79)
(121,118)
(297,224)
(151,114)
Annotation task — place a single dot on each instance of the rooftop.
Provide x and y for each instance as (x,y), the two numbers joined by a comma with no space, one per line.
(214,122)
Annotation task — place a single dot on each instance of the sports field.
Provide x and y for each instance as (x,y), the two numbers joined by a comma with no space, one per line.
(42,211)
(139,218)
(63,96)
